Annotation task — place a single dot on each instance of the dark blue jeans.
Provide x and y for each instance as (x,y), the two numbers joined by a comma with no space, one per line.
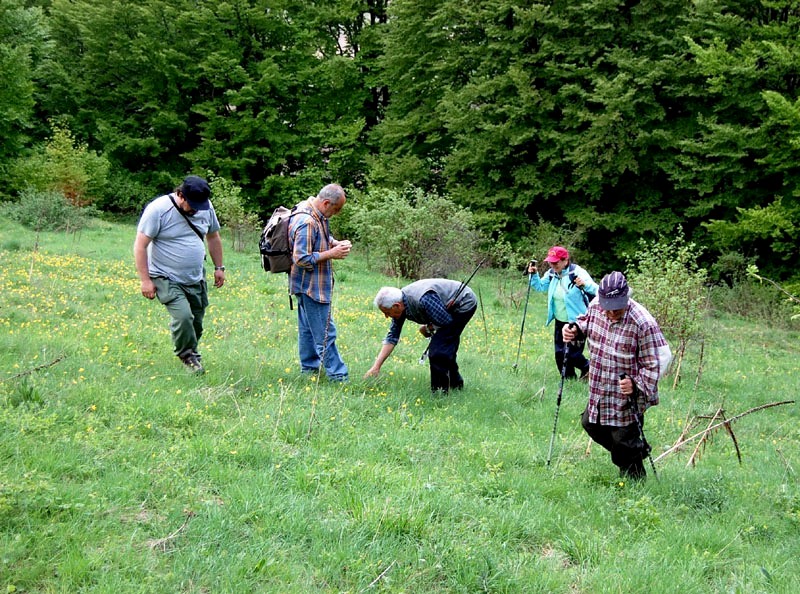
(443,353)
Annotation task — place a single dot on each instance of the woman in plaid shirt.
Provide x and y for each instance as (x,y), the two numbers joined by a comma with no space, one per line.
(623,338)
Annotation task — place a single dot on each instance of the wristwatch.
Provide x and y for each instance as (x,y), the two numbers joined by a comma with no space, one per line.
(222,268)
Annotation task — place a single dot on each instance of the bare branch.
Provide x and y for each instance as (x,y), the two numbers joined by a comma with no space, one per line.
(35,369)
(680,444)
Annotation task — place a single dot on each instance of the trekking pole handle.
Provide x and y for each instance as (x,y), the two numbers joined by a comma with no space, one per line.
(631,396)
(571,326)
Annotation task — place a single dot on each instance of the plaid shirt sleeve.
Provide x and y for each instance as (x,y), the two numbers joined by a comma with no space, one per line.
(303,254)
(309,275)
(393,337)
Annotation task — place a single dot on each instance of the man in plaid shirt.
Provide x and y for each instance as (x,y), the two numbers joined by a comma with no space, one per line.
(311,281)
(623,338)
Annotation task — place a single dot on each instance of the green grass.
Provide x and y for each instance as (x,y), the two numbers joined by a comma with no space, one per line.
(119,472)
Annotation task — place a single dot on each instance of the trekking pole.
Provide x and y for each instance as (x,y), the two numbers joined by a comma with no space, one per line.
(637,415)
(450,303)
(524,313)
(558,398)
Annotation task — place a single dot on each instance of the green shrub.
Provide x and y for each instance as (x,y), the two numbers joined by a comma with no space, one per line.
(47,211)
(752,300)
(416,234)
(63,165)
(667,279)
(229,206)
(125,194)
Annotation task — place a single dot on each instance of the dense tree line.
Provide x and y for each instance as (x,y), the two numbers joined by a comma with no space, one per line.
(615,119)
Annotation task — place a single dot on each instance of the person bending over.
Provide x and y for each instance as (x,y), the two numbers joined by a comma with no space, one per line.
(442,312)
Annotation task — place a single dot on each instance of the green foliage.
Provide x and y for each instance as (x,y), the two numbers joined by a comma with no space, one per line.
(617,120)
(666,278)
(66,166)
(126,194)
(754,301)
(47,211)
(24,393)
(228,204)
(23,47)
(775,227)
(416,234)
(789,292)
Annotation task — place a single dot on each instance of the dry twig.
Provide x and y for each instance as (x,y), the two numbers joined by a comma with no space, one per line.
(161,543)
(34,370)
(380,577)
(725,423)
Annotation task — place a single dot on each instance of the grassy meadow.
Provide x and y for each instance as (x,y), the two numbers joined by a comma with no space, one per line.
(120,472)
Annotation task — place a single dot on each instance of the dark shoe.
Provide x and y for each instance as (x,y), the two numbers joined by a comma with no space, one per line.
(634,472)
(192,363)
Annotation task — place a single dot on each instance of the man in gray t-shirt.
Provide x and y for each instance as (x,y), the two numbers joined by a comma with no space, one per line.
(169,252)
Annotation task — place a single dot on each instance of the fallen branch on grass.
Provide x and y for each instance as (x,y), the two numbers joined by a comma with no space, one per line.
(34,370)
(712,427)
(161,543)
(380,577)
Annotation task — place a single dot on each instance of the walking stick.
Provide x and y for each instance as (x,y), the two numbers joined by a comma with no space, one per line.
(635,406)
(450,303)
(558,398)
(524,313)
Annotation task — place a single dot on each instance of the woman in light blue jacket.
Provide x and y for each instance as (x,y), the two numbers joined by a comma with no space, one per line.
(569,288)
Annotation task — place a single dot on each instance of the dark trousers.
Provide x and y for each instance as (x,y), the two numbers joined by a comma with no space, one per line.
(443,352)
(575,358)
(628,451)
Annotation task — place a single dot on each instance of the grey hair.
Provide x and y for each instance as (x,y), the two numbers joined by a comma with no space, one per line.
(334,193)
(387,297)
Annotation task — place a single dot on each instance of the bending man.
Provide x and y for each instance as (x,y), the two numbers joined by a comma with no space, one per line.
(442,316)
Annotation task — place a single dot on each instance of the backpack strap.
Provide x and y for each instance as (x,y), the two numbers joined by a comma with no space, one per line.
(186,218)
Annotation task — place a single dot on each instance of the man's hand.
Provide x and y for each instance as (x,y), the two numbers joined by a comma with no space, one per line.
(148,289)
(569,333)
(626,385)
(426,330)
(372,372)
(340,250)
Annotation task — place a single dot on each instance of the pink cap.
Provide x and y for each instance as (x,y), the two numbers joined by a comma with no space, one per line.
(556,253)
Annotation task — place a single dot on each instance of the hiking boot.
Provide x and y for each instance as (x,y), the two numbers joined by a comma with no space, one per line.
(192,363)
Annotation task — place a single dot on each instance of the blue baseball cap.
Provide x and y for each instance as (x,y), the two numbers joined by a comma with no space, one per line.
(196,191)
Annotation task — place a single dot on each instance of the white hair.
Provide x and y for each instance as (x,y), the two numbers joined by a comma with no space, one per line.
(332,192)
(387,297)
